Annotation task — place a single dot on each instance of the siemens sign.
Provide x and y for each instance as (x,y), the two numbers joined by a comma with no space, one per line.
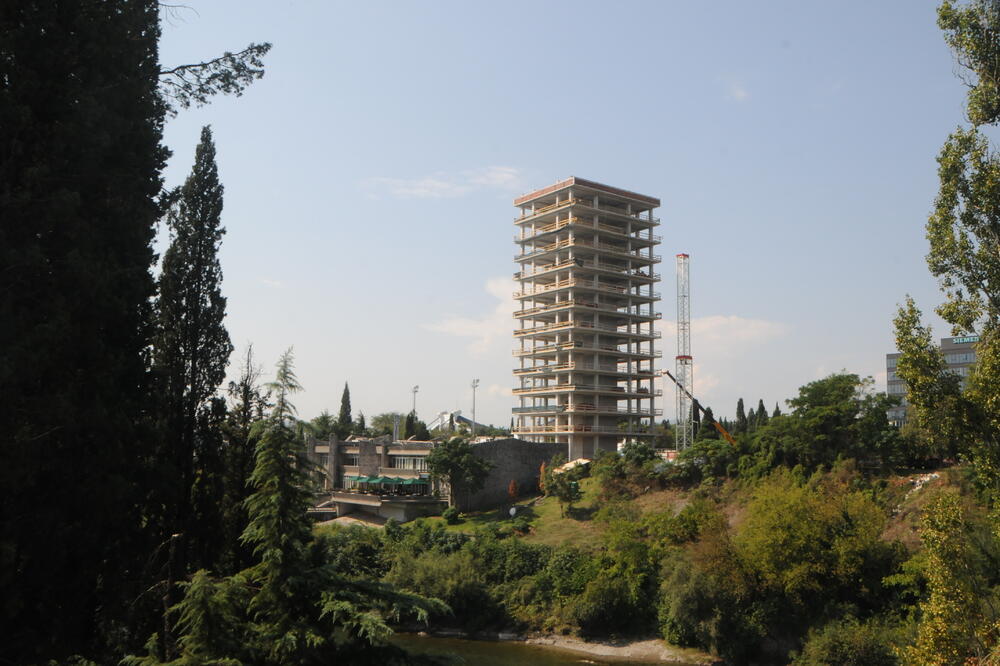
(962,341)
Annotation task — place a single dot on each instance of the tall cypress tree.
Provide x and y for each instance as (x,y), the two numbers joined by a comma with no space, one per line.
(706,430)
(761,414)
(741,416)
(191,352)
(80,157)
(344,420)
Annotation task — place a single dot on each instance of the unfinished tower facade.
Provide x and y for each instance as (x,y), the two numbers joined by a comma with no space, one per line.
(587,304)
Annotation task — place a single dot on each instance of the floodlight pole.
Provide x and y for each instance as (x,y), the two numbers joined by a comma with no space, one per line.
(475,385)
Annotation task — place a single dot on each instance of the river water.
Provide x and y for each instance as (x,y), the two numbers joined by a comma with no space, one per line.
(499,653)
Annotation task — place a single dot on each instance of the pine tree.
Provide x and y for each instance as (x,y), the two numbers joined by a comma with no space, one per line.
(344,421)
(741,417)
(279,531)
(192,347)
(249,403)
(360,427)
(291,606)
(777,411)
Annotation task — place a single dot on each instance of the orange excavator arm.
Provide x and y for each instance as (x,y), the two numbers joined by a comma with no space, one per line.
(694,401)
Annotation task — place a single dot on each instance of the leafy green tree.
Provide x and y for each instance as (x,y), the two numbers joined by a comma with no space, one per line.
(455,462)
(382,424)
(663,435)
(192,347)
(951,614)
(323,426)
(563,485)
(344,420)
(964,254)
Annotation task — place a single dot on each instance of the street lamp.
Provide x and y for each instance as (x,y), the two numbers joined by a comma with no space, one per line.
(475,385)
(415,389)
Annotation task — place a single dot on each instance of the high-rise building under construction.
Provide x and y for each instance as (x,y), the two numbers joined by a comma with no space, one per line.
(585,335)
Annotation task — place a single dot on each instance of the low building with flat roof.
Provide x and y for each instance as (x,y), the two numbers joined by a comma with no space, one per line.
(390,479)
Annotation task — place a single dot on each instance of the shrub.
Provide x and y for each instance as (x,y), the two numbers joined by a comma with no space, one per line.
(849,643)
(451,516)
(453,578)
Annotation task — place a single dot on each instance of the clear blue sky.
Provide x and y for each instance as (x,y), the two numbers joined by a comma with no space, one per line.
(369,178)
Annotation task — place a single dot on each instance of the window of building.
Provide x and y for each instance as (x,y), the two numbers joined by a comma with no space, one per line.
(960,357)
(890,362)
(416,463)
(351,459)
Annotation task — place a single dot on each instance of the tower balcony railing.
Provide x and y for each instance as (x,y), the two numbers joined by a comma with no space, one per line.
(594,245)
(607,368)
(567,428)
(544,210)
(576,302)
(589,408)
(559,325)
(583,284)
(635,273)
(581,346)
(585,224)
(588,388)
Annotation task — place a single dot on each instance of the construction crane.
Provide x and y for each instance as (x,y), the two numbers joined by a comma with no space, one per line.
(697,405)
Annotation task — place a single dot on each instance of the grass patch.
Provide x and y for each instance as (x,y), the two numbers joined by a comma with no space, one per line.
(547,525)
